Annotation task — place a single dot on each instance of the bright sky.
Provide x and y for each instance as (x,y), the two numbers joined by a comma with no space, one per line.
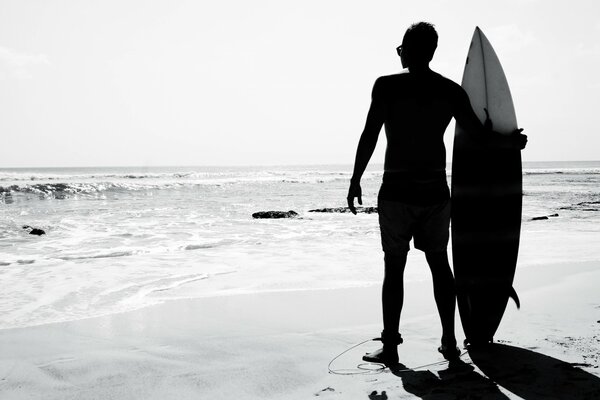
(235,82)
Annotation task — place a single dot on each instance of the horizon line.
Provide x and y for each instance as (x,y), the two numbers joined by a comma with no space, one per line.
(250,165)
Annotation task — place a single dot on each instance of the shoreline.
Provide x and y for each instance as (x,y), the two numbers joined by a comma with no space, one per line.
(525,279)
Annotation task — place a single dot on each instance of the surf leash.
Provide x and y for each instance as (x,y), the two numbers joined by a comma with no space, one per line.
(368,368)
(361,369)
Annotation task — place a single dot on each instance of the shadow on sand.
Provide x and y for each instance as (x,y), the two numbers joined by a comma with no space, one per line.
(533,376)
(525,373)
(459,381)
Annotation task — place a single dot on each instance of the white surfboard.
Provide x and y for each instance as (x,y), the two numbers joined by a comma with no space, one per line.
(486,200)
(487,87)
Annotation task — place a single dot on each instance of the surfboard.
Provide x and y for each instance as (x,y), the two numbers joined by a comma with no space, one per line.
(486,200)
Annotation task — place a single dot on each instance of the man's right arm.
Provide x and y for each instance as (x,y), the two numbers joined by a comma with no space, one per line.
(366,144)
(468,120)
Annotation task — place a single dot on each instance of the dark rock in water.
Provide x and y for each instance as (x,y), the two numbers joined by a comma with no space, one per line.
(366,210)
(587,203)
(34,231)
(583,206)
(275,214)
(544,217)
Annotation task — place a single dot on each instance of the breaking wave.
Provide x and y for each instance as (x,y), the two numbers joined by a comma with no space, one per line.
(56,183)
(76,188)
(562,171)
(103,255)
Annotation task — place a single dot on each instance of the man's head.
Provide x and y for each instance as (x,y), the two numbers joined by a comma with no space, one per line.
(418,45)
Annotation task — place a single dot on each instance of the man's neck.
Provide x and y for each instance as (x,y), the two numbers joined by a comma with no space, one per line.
(419,68)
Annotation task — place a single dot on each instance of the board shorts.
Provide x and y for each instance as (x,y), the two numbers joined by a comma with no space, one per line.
(400,222)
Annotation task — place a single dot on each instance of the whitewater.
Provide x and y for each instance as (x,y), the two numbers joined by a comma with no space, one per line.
(118,239)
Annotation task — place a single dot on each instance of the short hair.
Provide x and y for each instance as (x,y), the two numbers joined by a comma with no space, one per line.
(420,41)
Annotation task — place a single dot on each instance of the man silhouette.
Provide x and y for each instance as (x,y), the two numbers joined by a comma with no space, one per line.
(416,106)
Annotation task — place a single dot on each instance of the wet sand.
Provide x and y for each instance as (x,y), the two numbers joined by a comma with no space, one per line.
(279,344)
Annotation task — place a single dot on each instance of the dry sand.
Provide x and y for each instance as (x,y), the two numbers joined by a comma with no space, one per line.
(279,344)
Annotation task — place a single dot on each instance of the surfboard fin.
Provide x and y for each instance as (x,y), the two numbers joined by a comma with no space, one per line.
(513,295)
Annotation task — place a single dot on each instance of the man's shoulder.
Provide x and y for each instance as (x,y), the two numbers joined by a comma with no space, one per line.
(405,75)
(450,87)
(446,81)
(393,77)
(385,83)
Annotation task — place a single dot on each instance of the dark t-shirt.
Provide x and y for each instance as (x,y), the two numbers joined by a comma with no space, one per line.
(418,109)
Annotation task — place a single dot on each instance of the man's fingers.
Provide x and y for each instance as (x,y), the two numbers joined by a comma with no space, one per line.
(351,205)
(519,139)
(524,142)
(353,192)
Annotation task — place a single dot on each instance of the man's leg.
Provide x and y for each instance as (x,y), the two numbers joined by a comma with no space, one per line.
(392,297)
(392,292)
(445,297)
(395,225)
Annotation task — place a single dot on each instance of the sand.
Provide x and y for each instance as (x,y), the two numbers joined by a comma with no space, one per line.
(278,345)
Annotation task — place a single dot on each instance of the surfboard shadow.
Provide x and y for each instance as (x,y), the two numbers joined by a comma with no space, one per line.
(532,375)
(459,381)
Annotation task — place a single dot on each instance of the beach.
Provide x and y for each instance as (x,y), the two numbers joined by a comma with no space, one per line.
(278,345)
(159,284)
(178,183)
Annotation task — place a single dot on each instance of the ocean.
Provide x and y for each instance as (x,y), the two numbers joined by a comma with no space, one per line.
(118,239)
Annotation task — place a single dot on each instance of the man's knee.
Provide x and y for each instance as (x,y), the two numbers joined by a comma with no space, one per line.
(439,265)
(395,258)
(437,257)
(395,263)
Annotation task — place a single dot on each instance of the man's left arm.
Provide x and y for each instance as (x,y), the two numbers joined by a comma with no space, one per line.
(366,144)
(483,133)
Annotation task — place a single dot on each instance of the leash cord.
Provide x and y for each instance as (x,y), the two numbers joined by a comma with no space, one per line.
(373,368)
(361,369)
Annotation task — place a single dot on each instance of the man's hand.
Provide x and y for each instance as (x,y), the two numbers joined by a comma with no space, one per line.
(518,139)
(354,191)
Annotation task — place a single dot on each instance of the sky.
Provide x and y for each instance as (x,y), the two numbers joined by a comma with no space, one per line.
(232,82)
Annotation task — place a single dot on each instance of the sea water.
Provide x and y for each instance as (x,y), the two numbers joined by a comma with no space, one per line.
(122,238)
